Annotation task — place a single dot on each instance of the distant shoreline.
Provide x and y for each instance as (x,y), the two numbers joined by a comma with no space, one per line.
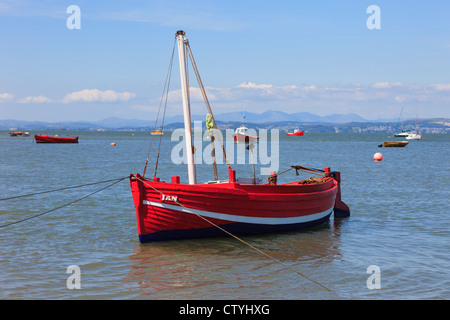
(434,125)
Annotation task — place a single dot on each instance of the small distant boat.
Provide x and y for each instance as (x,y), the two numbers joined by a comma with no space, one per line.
(402,134)
(157,133)
(49,139)
(241,134)
(296,133)
(18,133)
(413,136)
(398,144)
(410,134)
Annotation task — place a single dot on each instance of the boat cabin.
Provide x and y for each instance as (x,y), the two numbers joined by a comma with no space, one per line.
(242,130)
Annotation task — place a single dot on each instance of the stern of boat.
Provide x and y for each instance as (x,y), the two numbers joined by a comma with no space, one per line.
(341,210)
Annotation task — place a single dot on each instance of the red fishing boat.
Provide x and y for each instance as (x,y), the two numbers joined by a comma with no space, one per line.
(296,133)
(174,210)
(49,139)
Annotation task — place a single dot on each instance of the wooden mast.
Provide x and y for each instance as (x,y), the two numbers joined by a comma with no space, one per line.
(186,106)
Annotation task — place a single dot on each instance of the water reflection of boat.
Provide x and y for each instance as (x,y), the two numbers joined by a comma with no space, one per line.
(165,271)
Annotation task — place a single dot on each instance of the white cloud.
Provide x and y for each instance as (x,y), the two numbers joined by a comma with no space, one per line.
(94,95)
(386,85)
(6,97)
(255,86)
(38,99)
(373,101)
(442,86)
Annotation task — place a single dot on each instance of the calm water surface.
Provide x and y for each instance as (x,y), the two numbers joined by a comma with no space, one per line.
(399,222)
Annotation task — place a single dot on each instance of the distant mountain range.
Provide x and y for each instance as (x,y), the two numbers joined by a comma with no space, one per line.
(117,123)
(276,116)
(266,119)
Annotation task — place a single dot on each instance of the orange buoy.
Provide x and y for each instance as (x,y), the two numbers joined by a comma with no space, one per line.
(377,156)
(113,144)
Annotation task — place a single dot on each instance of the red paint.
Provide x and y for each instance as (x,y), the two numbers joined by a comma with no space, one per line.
(297,133)
(256,201)
(238,137)
(48,139)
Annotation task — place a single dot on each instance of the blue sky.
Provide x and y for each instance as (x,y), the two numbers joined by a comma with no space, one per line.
(293,56)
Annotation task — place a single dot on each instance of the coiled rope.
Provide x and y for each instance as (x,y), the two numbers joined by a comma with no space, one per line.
(64,205)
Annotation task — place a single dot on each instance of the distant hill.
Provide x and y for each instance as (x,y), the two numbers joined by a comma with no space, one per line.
(269,119)
(275,116)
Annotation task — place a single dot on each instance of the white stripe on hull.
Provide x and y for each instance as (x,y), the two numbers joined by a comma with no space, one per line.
(244,219)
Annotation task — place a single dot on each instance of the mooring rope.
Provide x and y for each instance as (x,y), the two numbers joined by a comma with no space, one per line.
(61,189)
(239,239)
(67,204)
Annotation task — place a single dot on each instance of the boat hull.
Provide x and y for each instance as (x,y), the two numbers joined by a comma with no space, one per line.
(49,139)
(414,137)
(299,133)
(394,144)
(180,211)
(244,138)
(19,133)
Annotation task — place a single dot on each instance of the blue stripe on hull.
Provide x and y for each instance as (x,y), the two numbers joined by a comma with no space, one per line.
(238,229)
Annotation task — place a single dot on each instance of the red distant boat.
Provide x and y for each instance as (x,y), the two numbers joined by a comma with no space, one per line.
(18,133)
(49,139)
(296,133)
(174,210)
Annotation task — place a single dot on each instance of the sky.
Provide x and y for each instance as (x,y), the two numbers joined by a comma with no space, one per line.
(322,57)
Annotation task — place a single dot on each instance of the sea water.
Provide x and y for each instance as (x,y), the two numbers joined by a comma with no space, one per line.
(395,244)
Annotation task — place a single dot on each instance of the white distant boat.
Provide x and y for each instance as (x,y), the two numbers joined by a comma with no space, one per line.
(412,135)
(409,134)
(241,134)
(404,133)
